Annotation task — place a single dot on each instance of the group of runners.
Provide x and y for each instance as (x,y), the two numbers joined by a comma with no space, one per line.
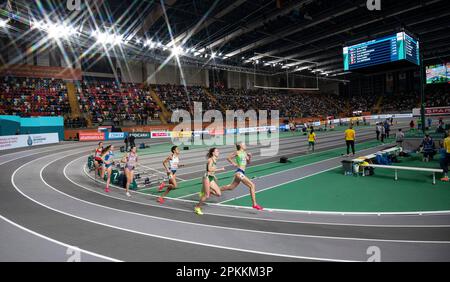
(104,162)
(240,158)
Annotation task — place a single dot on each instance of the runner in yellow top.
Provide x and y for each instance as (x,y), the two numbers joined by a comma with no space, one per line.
(350,136)
(446,160)
(311,139)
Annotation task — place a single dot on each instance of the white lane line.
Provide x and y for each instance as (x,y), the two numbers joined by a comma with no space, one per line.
(409,213)
(57,242)
(38,152)
(285,145)
(152,235)
(270,210)
(283,183)
(160,172)
(281,210)
(204,225)
(329,138)
(131,191)
(257,158)
(164,237)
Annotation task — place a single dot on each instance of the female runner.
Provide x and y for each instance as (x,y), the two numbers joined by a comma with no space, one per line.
(210,184)
(171,164)
(240,158)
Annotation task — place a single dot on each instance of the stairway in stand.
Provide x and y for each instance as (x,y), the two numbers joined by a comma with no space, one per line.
(73,100)
(377,108)
(165,114)
(214,99)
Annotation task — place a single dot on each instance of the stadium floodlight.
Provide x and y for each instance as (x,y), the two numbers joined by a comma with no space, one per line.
(193,50)
(202,50)
(213,55)
(3,23)
(108,39)
(176,51)
(57,31)
(196,54)
(37,24)
(118,39)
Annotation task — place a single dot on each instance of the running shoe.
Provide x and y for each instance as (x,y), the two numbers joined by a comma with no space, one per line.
(445,179)
(107,190)
(160,200)
(198,211)
(258,207)
(128,194)
(161,187)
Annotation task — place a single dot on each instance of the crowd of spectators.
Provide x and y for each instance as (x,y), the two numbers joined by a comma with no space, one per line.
(175,97)
(289,104)
(119,102)
(33,97)
(116,102)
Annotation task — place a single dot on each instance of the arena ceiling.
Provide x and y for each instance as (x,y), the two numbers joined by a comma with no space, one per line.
(241,33)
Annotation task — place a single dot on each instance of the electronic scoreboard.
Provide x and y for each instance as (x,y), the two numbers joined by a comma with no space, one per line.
(398,47)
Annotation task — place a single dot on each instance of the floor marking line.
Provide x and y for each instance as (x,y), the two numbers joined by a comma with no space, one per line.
(56,241)
(197,224)
(410,213)
(163,237)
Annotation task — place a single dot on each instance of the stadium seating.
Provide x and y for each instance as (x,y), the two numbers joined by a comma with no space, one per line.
(120,102)
(105,101)
(33,97)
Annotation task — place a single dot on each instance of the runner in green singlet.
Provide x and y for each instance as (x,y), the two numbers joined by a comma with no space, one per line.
(210,184)
(239,159)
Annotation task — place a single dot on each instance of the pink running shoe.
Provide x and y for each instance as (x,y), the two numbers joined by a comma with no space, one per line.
(258,207)
(161,200)
(161,187)
(107,190)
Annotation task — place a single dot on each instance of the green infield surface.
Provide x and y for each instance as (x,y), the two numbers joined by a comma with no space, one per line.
(334,192)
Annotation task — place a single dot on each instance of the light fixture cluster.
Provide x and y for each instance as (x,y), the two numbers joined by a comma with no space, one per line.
(3,23)
(64,31)
(106,38)
(55,30)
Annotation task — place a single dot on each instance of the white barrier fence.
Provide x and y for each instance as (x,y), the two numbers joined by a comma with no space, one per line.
(28,140)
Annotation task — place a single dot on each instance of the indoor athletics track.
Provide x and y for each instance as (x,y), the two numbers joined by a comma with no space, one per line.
(50,203)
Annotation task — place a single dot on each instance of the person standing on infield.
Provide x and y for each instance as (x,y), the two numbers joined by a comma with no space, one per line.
(350,136)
